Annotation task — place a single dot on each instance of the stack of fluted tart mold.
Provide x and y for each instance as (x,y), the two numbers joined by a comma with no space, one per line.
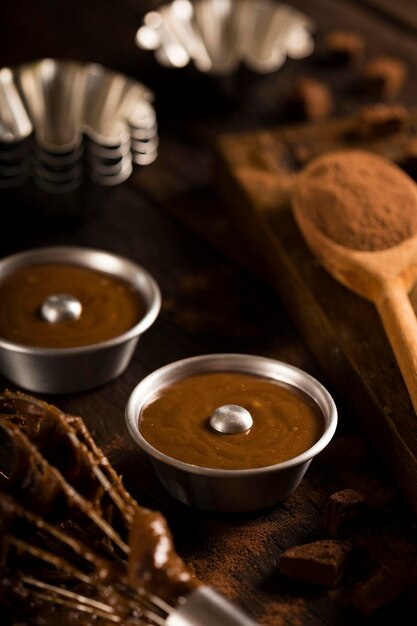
(216,36)
(62,121)
(75,547)
(73,317)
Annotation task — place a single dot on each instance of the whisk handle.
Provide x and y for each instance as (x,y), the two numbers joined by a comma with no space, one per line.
(205,607)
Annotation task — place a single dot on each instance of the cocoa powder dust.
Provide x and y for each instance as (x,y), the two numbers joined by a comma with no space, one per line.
(359,200)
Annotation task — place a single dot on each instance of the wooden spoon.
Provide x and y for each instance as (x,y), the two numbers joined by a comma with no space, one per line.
(384,276)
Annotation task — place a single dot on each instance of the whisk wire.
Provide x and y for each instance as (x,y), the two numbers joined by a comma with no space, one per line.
(78,606)
(103,480)
(28,580)
(57,595)
(58,562)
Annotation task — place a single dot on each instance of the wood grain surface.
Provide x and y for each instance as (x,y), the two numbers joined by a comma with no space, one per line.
(212,303)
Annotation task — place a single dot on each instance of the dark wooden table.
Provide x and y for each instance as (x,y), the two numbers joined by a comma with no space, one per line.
(211,301)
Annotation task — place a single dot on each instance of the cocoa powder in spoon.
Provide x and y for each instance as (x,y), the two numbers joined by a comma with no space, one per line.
(360,200)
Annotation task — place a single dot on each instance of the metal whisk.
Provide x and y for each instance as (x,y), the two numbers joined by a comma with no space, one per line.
(67,530)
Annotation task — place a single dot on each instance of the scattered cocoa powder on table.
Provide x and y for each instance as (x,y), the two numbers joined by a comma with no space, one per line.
(359,200)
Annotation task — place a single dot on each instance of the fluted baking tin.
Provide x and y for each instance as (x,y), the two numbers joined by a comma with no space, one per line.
(68,370)
(230,490)
(50,110)
(217,35)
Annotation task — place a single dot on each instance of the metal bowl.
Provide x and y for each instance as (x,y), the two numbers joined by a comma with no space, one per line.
(218,35)
(220,490)
(50,110)
(68,370)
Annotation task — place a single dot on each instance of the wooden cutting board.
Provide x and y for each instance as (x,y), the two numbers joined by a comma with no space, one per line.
(254,172)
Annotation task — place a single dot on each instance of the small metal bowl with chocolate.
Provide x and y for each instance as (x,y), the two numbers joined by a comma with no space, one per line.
(231,432)
(71,317)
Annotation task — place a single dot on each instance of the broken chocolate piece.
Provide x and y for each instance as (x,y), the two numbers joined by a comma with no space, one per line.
(310,100)
(302,154)
(343,510)
(409,164)
(383,76)
(381,588)
(379,120)
(344,47)
(320,562)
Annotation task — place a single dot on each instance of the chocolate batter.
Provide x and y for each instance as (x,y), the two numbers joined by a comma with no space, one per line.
(110,306)
(286,422)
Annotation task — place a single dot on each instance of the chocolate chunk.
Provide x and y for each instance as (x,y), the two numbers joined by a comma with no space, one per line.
(409,164)
(321,562)
(302,154)
(310,100)
(383,76)
(379,120)
(411,149)
(381,588)
(343,47)
(343,510)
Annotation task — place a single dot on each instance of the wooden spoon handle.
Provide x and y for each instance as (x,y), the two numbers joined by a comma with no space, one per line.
(400,322)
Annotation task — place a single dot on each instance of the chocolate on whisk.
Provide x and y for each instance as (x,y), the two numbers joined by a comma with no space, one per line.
(74,542)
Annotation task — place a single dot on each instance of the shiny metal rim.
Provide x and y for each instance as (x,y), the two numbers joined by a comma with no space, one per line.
(99,260)
(244,363)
